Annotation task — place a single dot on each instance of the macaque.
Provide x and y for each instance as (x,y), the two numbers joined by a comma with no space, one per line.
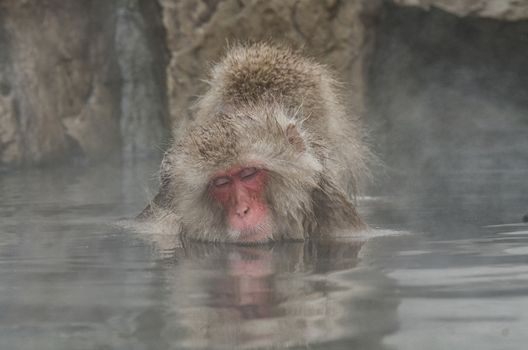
(271,155)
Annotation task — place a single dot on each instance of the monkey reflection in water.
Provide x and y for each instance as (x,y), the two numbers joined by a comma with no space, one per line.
(278,295)
(272,154)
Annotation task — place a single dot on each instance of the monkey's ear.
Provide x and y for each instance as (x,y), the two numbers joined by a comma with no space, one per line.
(295,138)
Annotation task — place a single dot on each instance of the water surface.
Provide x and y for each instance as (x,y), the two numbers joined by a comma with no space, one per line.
(445,268)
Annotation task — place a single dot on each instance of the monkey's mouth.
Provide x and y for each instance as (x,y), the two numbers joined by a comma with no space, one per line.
(259,233)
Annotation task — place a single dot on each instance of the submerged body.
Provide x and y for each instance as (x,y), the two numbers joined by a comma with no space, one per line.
(271,154)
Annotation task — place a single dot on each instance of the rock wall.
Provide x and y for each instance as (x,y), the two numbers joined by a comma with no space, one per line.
(142,58)
(71,85)
(56,80)
(88,78)
(497,9)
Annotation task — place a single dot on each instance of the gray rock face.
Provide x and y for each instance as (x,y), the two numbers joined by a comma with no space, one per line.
(69,80)
(498,9)
(142,60)
(57,76)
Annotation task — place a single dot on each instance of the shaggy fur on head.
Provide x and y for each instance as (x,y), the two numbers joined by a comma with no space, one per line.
(269,108)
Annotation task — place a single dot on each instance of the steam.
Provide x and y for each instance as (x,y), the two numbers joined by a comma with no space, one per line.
(448,106)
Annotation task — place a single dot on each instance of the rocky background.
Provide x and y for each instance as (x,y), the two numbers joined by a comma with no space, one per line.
(88,79)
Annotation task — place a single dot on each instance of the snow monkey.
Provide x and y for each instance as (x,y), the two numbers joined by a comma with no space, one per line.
(270,155)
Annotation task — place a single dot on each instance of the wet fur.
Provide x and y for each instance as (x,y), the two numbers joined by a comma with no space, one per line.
(269,106)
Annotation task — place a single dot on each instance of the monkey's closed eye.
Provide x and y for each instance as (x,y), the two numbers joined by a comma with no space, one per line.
(247,173)
(221,181)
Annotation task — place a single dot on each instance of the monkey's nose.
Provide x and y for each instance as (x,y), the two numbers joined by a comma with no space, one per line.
(242,210)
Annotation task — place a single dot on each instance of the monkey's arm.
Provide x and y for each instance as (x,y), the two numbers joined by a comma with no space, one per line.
(333,209)
(161,200)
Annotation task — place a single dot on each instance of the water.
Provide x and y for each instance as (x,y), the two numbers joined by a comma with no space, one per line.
(443,269)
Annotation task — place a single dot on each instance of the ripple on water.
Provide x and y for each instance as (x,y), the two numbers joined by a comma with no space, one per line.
(514,233)
(413,252)
(517,251)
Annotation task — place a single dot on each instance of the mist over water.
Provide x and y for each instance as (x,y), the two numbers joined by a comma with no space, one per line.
(449,114)
(445,265)
(448,110)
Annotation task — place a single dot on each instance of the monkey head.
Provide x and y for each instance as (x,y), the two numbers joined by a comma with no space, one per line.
(244,176)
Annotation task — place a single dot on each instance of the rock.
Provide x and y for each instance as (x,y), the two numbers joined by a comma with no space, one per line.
(59,73)
(74,81)
(142,58)
(498,9)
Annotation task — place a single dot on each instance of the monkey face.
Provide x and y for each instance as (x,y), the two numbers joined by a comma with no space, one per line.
(240,192)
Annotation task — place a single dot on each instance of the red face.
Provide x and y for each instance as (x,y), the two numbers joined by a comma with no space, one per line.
(240,191)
